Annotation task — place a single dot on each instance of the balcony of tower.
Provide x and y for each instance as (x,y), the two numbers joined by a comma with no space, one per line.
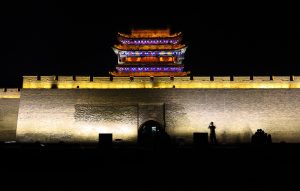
(156,41)
(165,47)
(150,68)
(145,53)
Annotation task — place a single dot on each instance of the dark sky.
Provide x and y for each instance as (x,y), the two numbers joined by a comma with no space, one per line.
(75,38)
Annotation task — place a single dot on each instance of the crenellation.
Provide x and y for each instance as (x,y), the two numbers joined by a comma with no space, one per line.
(141,79)
(68,82)
(201,78)
(261,78)
(281,78)
(182,79)
(29,78)
(121,79)
(83,78)
(100,79)
(221,78)
(164,79)
(242,79)
(47,78)
(296,78)
(10,93)
(65,78)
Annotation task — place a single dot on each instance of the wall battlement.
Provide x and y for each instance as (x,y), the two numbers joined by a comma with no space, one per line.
(9,93)
(90,82)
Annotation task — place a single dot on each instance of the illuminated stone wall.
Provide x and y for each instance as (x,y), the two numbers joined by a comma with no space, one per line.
(87,82)
(9,106)
(78,115)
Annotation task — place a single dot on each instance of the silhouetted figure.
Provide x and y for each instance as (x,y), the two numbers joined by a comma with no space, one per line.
(269,139)
(260,137)
(212,136)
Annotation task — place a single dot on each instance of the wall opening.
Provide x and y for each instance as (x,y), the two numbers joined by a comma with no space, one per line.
(53,86)
(152,133)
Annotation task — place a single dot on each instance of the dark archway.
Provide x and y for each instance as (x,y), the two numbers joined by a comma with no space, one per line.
(152,133)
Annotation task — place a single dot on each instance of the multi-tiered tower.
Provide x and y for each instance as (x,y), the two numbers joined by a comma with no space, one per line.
(150,53)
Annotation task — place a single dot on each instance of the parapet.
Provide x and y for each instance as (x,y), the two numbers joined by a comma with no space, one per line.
(9,93)
(110,82)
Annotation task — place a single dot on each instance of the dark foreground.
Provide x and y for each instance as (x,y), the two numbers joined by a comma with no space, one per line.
(223,167)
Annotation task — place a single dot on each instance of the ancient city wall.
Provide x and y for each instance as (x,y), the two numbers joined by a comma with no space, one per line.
(78,115)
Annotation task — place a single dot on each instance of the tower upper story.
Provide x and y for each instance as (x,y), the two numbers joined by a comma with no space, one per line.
(152,52)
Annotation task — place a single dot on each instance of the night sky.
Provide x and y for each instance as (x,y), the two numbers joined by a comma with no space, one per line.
(75,38)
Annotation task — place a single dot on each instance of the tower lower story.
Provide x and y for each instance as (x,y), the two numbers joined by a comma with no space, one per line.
(148,70)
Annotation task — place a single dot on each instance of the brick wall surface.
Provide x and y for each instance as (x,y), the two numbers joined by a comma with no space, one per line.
(8,118)
(78,115)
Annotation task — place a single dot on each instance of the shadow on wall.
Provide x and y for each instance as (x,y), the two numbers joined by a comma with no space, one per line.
(230,136)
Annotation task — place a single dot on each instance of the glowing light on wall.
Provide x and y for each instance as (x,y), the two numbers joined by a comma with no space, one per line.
(123,131)
(48,116)
(10,96)
(9,93)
